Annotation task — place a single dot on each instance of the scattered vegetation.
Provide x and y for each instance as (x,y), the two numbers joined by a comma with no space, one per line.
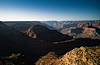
(13,59)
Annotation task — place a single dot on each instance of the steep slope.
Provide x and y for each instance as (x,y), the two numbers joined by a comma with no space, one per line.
(45,34)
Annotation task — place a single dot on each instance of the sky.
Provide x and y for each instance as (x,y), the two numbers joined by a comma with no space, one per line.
(48,10)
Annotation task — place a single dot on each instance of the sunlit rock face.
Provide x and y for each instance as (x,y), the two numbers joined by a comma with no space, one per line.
(30,33)
(78,56)
(81,56)
(49,59)
(89,32)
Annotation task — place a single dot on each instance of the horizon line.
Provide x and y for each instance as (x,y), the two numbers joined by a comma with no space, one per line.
(47,20)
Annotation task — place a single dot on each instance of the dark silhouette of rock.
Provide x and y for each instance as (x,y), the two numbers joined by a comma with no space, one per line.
(45,34)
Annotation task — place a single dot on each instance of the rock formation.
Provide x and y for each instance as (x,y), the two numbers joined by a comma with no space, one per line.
(78,56)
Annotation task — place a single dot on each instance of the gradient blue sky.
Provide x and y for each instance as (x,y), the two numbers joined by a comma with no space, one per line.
(43,10)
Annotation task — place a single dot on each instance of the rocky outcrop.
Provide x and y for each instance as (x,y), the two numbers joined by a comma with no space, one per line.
(78,56)
(91,32)
(49,59)
(30,33)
